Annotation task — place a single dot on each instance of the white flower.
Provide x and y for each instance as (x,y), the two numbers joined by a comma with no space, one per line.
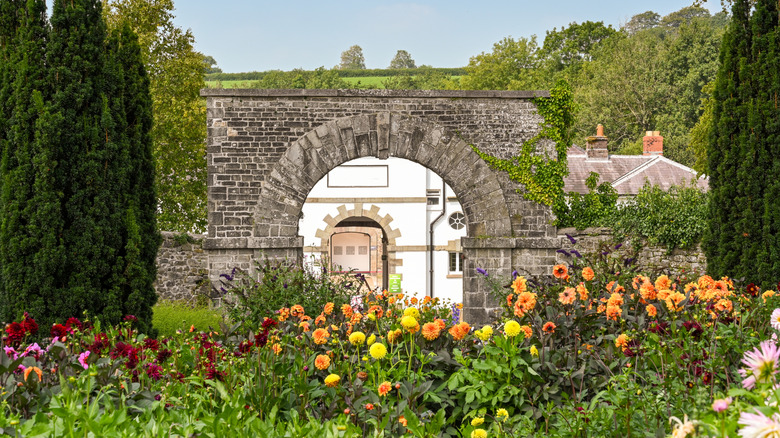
(759,425)
(776,319)
(682,428)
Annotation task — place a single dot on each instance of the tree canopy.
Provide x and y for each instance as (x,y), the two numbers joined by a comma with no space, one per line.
(176,76)
(402,59)
(352,58)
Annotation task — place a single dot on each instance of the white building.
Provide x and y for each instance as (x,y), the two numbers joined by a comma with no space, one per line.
(387,219)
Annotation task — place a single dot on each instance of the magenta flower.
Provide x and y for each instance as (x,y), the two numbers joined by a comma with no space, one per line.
(761,365)
(83,359)
(10,352)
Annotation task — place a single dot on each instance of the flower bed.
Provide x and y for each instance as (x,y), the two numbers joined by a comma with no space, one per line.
(594,349)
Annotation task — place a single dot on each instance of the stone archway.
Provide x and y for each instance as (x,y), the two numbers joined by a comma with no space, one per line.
(268,148)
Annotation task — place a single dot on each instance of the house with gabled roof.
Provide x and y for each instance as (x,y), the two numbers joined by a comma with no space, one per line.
(627,173)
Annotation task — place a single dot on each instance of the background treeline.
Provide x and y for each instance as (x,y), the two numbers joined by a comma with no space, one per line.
(348,73)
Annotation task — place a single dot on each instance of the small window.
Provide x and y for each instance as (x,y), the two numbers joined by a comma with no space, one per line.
(456,262)
(338,250)
(433,201)
(457,221)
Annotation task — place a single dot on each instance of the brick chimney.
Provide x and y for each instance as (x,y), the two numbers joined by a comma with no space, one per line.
(596,146)
(653,143)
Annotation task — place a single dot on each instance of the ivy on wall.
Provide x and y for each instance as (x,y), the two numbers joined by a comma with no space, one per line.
(542,175)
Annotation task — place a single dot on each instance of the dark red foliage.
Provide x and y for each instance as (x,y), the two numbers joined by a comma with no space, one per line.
(151,344)
(694,328)
(59,331)
(659,328)
(100,344)
(213,374)
(130,318)
(261,339)
(163,355)
(633,348)
(154,371)
(752,289)
(268,323)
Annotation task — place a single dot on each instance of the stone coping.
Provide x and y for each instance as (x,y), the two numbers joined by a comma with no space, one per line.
(511,242)
(253,242)
(449,94)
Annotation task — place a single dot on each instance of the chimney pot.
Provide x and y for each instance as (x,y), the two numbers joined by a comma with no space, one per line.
(653,143)
(596,146)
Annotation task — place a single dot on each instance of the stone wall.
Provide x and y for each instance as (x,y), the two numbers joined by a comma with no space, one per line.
(268,148)
(182,267)
(652,259)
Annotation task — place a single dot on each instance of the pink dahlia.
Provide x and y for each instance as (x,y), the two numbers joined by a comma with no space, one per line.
(761,364)
(759,425)
(83,359)
(775,320)
(721,404)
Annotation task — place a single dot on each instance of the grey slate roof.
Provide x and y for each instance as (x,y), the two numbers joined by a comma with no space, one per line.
(628,173)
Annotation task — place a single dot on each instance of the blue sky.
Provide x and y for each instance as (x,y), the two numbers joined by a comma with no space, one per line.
(248,35)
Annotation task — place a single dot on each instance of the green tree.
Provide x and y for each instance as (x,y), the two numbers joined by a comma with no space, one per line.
(402,59)
(644,21)
(352,58)
(210,65)
(510,66)
(573,45)
(743,226)
(622,88)
(689,62)
(176,77)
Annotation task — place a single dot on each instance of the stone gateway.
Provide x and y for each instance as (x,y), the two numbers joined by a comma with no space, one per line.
(268,148)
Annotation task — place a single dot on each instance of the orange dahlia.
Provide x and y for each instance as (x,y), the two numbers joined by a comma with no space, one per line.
(320,336)
(520,284)
(567,296)
(582,291)
(346,309)
(663,282)
(384,388)
(651,310)
(376,311)
(647,290)
(560,271)
(526,329)
(431,330)
(297,310)
(588,274)
(549,327)
(459,331)
(328,309)
(322,362)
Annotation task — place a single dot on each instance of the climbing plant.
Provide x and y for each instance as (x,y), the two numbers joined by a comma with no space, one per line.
(542,175)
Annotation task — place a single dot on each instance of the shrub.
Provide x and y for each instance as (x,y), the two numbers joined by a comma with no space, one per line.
(170,316)
(276,285)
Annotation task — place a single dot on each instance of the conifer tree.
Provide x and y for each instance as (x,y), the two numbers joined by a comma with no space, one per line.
(79,227)
(742,236)
(25,76)
(766,50)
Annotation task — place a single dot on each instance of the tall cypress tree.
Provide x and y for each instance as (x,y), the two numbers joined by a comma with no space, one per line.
(28,89)
(721,243)
(743,228)
(767,51)
(83,225)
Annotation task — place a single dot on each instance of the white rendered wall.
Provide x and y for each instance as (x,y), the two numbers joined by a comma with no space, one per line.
(406,180)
